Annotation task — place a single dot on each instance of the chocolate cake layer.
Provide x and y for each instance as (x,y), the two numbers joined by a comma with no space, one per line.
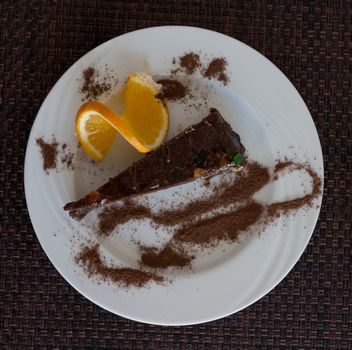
(200,148)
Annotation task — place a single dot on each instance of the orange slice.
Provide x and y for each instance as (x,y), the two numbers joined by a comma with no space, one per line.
(147,116)
(144,123)
(96,127)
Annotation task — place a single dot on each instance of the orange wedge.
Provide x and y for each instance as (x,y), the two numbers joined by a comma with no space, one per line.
(144,123)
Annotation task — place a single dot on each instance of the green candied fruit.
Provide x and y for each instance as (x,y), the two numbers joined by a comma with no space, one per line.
(237,159)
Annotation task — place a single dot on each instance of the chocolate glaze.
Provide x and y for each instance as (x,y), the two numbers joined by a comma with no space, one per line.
(207,145)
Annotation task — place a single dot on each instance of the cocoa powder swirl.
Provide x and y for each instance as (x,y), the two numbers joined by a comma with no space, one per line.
(221,227)
(280,208)
(166,257)
(193,231)
(241,190)
(245,185)
(113,216)
(89,259)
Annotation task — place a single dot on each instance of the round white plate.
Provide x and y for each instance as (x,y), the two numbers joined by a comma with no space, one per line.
(261,105)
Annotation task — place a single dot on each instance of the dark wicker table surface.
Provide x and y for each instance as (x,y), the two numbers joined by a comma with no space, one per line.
(309,41)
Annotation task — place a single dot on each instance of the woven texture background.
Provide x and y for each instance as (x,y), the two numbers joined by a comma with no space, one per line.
(309,41)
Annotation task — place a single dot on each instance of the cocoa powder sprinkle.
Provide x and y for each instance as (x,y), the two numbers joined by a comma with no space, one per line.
(189,62)
(54,154)
(221,227)
(172,89)
(49,153)
(167,257)
(67,156)
(67,160)
(217,70)
(282,165)
(194,230)
(115,215)
(247,182)
(89,259)
(95,84)
(277,209)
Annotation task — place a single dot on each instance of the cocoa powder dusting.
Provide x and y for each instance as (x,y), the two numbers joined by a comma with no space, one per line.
(195,230)
(67,156)
(93,265)
(221,227)
(246,183)
(172,89)
(217,70)
(189,62)
(174,216)
(94,84)
(67,160)
(165,258)
(282,165)
(49,153)
(53,153)
(113,216)
(277,209)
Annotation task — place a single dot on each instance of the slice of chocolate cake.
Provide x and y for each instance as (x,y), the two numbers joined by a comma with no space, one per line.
(199,149)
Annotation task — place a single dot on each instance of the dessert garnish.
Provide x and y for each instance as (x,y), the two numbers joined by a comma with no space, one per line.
(95,83)
(55,156)
(93,265)
(217,70)
(49,153)
(144,122)
(237,159)
(190,62)
(194,232)
(172,90)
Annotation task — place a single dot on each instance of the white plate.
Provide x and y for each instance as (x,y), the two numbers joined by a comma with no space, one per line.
(262,106)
